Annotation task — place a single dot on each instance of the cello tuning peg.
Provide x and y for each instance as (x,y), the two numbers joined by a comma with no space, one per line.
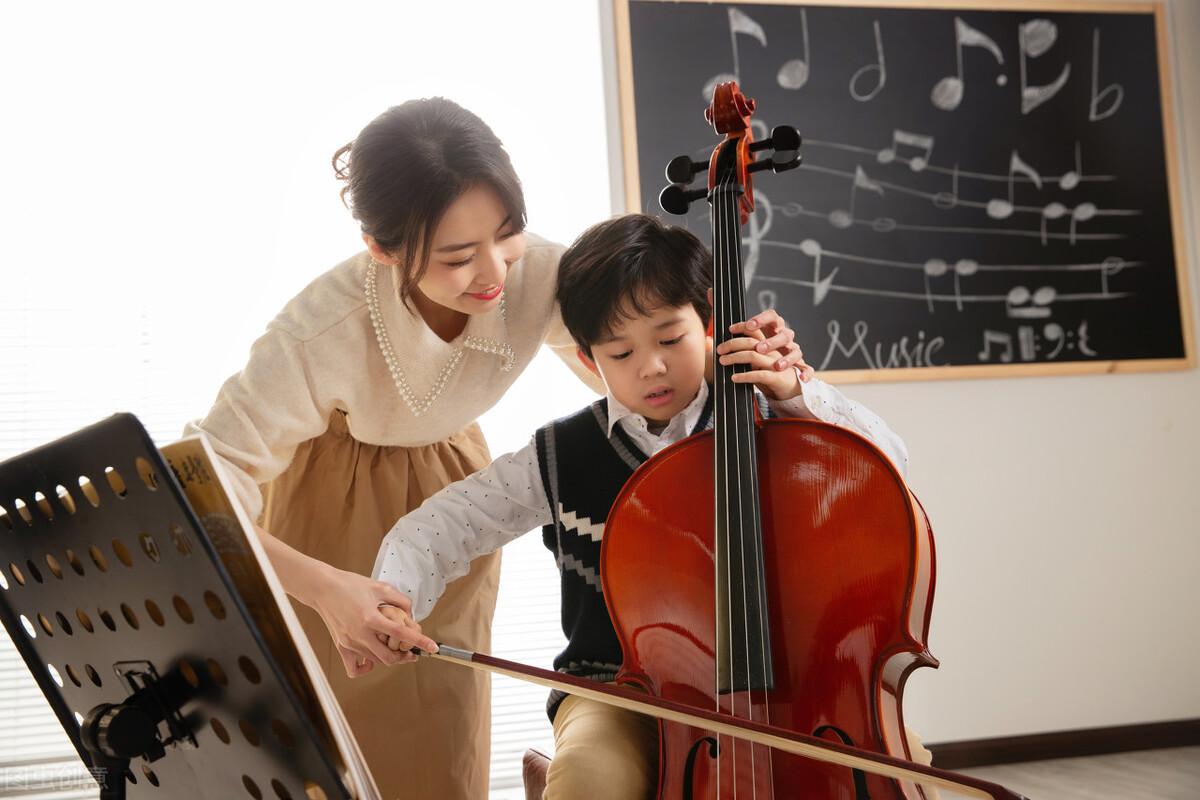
(790,160)
(675,199)
(783,137)
(682,169)
(782,161)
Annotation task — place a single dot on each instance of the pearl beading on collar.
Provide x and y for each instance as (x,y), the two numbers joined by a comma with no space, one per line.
(419,407)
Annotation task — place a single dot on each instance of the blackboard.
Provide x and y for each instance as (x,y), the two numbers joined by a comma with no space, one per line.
(984,192)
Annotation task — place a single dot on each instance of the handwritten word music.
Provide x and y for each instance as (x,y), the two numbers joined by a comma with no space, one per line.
(904,352)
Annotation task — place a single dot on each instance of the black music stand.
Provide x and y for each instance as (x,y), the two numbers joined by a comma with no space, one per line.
(116,598)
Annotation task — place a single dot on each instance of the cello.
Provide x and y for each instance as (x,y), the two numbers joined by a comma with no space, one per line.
(796,598)
(801,570)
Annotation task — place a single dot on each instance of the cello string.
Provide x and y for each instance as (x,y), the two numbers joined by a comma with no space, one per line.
(720,411)
(740,445)
(729,402)
(735,502)
(763,606)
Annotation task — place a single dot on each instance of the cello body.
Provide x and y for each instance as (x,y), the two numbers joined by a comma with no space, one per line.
(849,570)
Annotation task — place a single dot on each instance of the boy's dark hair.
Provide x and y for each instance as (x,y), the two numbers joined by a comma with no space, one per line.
(630,265)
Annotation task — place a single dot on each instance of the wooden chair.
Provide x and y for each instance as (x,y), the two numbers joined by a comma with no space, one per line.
(533,773)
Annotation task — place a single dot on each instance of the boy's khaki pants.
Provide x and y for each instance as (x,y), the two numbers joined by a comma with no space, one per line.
(606,753)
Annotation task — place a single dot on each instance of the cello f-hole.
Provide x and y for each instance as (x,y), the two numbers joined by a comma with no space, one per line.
(860,778)
(689,766)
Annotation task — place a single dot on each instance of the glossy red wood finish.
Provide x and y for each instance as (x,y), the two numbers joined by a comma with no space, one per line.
(850,575)
(729,114)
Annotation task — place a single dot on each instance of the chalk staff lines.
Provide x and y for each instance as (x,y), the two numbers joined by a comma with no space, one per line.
(1068,180)
(1019,301)
(996,208)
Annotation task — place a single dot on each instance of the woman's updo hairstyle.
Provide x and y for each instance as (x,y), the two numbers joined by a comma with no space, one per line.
(409,165)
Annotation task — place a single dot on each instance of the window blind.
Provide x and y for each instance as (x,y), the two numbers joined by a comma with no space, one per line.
(72,362)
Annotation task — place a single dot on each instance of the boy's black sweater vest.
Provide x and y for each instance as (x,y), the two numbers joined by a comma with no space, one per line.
(583,470)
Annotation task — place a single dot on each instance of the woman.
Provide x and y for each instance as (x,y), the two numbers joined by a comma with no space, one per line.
(360,401)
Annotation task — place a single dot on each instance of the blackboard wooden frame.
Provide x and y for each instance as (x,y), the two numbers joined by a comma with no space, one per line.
(629,174)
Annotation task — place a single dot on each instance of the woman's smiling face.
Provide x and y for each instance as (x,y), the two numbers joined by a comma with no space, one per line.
(471,249)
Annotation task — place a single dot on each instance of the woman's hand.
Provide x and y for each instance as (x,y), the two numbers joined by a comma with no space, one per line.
(349,605)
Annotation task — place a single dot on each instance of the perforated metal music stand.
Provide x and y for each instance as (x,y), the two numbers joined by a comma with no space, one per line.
(130,623)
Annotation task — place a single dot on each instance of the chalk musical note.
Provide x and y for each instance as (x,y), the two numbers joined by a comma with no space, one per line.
(996,337)
(1051,211)
(879,68)
(794,209)
(767,299)
(1081,213)
(739,23)
(948,200)
(759,225)
(1036,37)
(1070,178)
(841,218)
(1094,114)
(794,73)
(934,268)
(948,92)
(821,286)
(998,208)
(1071,340)
(1016,303)
(1082,335)
(963,268)
(919,142)
(1053,332)
(1025,343)
(1110,266)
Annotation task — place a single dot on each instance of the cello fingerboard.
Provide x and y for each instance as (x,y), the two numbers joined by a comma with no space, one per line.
(743,630)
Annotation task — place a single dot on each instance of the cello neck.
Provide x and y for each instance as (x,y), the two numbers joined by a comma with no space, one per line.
(743,638)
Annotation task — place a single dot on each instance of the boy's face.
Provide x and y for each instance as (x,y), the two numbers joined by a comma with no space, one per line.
(653,363)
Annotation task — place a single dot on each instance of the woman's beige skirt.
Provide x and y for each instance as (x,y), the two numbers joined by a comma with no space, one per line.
(424,728)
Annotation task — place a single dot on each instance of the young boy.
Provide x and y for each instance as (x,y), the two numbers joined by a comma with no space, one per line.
(634,295)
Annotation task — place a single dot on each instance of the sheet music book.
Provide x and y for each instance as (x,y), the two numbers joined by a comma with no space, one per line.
(210,492)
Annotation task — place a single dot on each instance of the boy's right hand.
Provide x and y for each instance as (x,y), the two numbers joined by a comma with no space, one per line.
(408,637)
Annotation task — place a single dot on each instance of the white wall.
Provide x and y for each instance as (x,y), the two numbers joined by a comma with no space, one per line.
(156,156)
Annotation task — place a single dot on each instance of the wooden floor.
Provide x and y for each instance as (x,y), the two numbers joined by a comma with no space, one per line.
(1172,774)
(1145,775)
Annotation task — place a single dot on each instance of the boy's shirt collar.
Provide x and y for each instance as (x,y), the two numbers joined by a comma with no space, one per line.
(677,428)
